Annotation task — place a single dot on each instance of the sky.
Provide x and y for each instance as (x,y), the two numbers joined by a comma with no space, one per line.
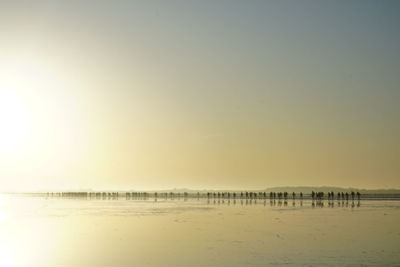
(199,94)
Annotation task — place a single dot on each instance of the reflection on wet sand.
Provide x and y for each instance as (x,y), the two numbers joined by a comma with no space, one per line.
(318,199)
(229,231)
(280,199)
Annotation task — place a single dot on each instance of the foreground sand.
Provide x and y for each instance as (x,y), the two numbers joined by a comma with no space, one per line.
(67,232)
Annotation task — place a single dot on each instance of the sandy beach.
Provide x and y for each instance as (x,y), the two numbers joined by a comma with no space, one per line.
(37,231)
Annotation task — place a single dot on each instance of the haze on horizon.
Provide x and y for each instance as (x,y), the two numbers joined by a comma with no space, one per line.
(199,94)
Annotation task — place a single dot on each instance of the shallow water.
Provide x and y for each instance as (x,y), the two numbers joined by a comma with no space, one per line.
(39,231)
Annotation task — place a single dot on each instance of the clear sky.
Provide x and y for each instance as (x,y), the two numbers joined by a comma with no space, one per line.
(199,94)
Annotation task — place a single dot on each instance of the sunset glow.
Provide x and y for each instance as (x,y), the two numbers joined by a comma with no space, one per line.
(89,102)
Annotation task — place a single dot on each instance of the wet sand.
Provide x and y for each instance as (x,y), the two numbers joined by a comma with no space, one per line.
(38,231)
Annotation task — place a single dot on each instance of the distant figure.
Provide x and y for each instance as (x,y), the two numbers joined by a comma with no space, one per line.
(313,195)
(358,196)
(301,195)
(338,196)
(352,195)
(294,195)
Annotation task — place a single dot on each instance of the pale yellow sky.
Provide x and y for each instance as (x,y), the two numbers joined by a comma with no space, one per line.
(150,95)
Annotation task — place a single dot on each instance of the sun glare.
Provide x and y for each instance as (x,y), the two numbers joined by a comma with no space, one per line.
(15,77)
(42,126)
(14,120)
(21,80)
